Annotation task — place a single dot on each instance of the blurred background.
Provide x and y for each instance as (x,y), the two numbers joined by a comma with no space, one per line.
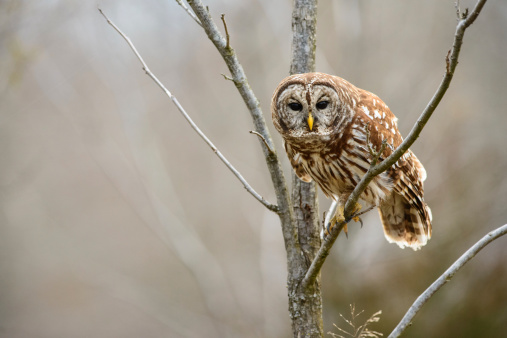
(118,221)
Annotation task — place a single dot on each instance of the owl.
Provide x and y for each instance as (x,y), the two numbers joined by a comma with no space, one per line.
(326,123)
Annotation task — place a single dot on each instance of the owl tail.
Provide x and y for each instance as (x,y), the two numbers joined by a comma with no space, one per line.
(405,224)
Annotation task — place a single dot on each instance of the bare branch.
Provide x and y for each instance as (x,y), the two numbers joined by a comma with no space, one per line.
(236,173)
(458,10)
(228,78)
(463,24)
(357,214)
(192,15)
(240,80)
(448,62)
(263,140)
(227,46)
(446,277)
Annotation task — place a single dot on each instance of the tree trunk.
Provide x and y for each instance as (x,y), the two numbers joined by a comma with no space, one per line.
(305,305)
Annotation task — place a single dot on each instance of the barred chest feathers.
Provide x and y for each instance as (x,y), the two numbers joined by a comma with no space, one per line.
(338,172)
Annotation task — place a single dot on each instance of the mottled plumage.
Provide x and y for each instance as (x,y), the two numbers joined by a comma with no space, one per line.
(323,120)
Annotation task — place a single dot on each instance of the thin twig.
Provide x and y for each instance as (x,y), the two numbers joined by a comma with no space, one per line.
(263,140)
(236,173)
(228,77)
(192,15)
(371,207)
(462,25)
(226,32)
(448,62)
(446,277)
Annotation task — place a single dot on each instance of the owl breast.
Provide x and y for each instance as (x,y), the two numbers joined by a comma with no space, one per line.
(339,163)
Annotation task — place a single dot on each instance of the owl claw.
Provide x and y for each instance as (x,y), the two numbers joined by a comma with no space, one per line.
(358,219)
(338,217)
(357,208)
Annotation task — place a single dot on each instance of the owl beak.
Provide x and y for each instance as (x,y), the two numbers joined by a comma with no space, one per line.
(310,121)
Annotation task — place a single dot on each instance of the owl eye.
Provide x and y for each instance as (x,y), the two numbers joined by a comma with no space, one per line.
(322,104)
(296,106)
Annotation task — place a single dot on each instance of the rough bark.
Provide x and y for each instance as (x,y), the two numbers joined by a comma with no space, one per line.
(305,304)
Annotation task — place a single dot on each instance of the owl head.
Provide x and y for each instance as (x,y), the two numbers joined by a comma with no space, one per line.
(311,106)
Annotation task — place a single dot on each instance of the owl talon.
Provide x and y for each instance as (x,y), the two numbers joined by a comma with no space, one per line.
(337,218)
(358,219)
(330,226)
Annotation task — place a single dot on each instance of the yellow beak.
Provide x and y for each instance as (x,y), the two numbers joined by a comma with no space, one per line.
(310,121)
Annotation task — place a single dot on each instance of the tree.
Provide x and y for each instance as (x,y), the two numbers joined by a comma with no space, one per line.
(298,213)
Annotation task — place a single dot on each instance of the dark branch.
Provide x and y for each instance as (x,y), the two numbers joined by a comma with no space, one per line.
(463,24)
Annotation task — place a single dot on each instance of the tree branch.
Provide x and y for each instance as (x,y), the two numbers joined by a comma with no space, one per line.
(375,170)
(240,80)
(236,173)
(263,140)
(189,12)
(227,38)
(446,277)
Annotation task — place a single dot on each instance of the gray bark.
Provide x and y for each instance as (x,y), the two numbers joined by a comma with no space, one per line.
(305,303)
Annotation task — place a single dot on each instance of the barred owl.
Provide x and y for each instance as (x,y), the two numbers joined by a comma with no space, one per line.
(323,120)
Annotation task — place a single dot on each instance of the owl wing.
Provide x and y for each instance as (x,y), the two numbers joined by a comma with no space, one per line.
(405,216)
(295,161)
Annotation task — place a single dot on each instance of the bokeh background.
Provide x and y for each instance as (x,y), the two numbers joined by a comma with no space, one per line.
(116,220)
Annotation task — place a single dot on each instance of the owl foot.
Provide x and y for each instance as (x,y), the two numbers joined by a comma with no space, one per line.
(339,217)
(357,207)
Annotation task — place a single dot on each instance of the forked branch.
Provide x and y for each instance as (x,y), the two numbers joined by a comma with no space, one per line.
(236,173)
(463,23)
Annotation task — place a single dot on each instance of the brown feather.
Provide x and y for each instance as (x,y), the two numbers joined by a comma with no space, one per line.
(335,152)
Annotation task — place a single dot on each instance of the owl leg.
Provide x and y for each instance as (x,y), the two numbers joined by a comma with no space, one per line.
(339,217)
(357,207)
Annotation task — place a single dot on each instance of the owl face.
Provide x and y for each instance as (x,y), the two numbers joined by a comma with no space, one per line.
(307,106)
